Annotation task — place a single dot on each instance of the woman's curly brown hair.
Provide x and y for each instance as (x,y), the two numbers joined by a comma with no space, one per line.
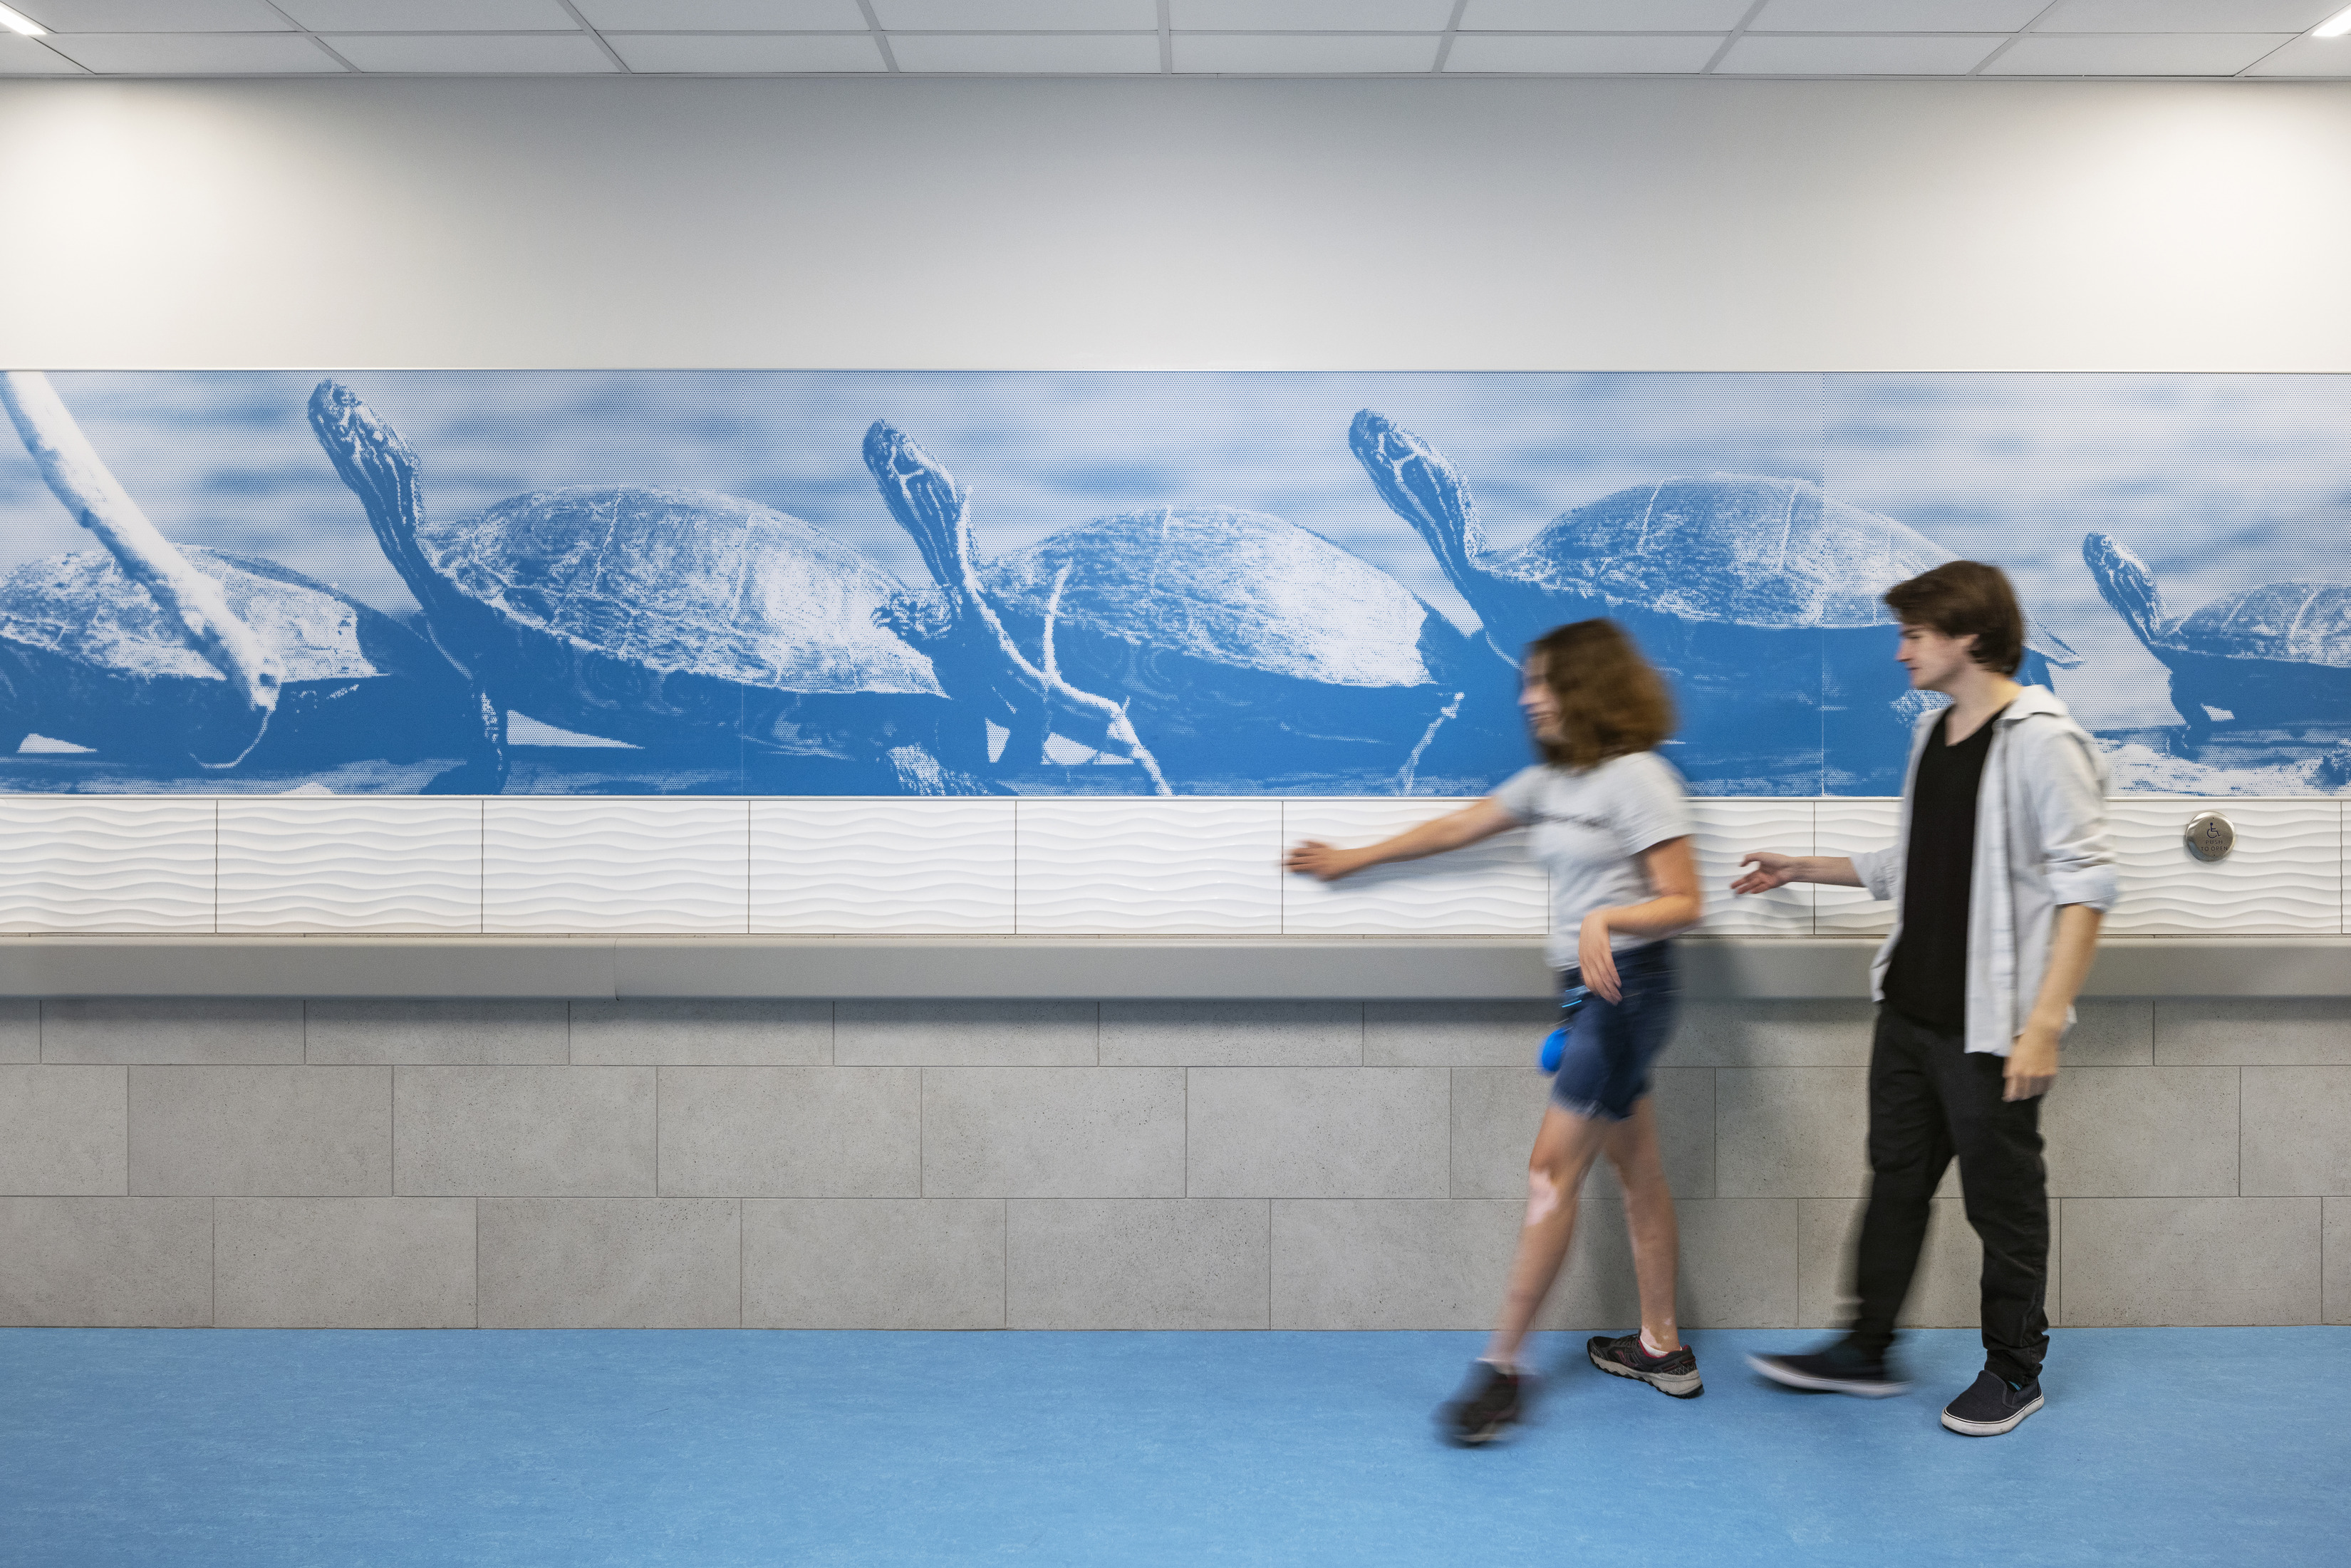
(1611,702)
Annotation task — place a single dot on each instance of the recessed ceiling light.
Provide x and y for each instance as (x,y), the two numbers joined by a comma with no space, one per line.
(17,21)
(2334,27)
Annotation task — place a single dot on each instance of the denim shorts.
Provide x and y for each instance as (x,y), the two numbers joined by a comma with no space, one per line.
(1605,1065)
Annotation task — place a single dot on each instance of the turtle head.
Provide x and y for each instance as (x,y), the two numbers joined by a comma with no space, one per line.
(381,469)
(2125,582)
(923,618)
(927,502)
(1416,481)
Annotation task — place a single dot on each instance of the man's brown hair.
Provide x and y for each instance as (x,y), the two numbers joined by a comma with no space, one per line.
(1611,703)
(1960,596)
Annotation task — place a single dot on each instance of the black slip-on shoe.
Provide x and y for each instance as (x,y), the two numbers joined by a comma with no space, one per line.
(1839,1369)
(1991,1405)
(1674,1372)
(1487,1406)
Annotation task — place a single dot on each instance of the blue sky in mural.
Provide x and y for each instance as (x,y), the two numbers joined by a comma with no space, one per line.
(2219,483)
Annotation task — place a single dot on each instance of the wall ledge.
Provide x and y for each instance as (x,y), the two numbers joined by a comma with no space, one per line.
(1370,969)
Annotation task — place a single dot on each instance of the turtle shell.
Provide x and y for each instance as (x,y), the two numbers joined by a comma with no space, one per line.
(2301,622)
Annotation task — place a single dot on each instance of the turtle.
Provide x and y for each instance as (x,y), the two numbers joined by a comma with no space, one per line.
(87,656)
(1757,595)
(2276,656)
(681,620)
(1245,650)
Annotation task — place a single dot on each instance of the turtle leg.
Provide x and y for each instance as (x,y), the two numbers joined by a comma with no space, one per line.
(484,772)
(1025,745)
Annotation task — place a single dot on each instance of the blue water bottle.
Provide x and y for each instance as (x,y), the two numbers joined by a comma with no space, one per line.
(1554,1045)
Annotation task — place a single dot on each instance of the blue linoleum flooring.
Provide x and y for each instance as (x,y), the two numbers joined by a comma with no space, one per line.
(254,1449)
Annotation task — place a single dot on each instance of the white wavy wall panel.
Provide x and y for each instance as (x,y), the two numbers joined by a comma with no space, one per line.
(2284,878)
(351,862)
(1728,828)
(620,863)
(1148,867)
(119,862)
(826,867)
(1489,889)
(1848,827)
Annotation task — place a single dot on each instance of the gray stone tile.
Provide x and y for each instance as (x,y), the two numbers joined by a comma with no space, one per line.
(63,1130)
(1318,1132)
(2117,1033)
(106,1262)
(1791,1132)
(2337,1247)
(1741,1033)
(261,1132)
(442,1033)
(2190,1262)
(790,1132)
(1739,1262)
(1395,1264)
(20,1029)
(344,1262)
(1232,1034)
(755,1032)
(1945,1294)
(874,1263)
(1111,1263)
(1495,1110)
(2297,1124)
(1053,1132)
(192,1030)
(1456,1033)
(2142,1132)
(521,1132)
(2266,1031)
(933,1033)
(610,1263)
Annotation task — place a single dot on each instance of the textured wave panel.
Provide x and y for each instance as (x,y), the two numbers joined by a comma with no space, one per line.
(913,866)
(1149,867)
(350,862)
(2285,877)
(1489,889)
(122,862)
(1845,825)
(1728,826)
(619,863)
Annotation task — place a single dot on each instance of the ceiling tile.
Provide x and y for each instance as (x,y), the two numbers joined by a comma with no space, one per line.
(1300,53)
(725,16)
(2186,16)
(1310,15)
(1029,54)
(1603,16)
(1016,16)
(472,54)
(2308,58)
(1946,54)
(2119,54)
(1675,55)
(195,54)
(1896,15)
(24,57)
(429,16)
(748,53)
(155,16)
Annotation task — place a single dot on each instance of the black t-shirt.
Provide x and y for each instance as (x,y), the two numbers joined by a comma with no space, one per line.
(1927,980)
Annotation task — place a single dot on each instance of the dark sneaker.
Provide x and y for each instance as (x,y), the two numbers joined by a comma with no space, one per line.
(1487,1406)
(1674,1372)
(1993,1405)
(1839,1369)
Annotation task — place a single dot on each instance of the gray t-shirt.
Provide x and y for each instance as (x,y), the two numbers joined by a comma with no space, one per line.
(1588,830)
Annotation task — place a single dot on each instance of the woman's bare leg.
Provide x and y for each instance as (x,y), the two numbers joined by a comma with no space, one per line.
(1632,1147)
(1566,1147)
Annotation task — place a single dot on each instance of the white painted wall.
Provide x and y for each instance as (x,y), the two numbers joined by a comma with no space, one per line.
(1277,224)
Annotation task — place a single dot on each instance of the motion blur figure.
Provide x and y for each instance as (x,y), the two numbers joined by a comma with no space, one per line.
(1609,821)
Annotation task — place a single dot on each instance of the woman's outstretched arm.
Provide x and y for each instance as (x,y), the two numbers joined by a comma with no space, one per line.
(1479,819)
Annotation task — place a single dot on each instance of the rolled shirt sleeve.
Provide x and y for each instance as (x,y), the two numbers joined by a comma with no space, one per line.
(1878,869)
(2071,801)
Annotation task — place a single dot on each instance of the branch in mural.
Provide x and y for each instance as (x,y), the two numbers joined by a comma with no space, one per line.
(81,481)
(1412,761)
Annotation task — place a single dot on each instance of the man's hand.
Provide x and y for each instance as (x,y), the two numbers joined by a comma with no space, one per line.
(1770,871)
(2031,1061)
(1596,958)
(1321,861)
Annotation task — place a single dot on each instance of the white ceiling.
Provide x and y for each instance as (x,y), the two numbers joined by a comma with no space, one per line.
(1806,38)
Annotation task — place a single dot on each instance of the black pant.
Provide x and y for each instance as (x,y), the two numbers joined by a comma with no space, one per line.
(1929,1100)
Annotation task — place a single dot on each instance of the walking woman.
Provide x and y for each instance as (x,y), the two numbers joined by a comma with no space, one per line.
(1609,822)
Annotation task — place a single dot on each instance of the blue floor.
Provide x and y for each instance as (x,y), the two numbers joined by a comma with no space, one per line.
(192,1447)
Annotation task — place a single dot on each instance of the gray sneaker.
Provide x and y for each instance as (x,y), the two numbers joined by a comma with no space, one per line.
(1991,1405)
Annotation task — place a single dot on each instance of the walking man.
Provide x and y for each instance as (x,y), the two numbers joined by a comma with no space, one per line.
(2001,874)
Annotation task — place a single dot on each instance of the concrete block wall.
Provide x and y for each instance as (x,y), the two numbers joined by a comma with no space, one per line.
(1058,1164)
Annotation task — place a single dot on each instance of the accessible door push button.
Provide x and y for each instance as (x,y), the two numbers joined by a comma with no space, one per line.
(2210,837)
